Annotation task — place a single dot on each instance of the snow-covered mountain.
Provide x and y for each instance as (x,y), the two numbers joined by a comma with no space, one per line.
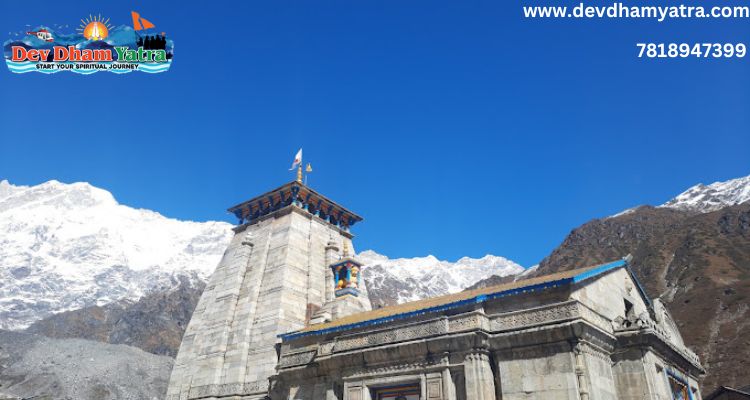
(67,246)
(706,198)
(64,247)
(393,281)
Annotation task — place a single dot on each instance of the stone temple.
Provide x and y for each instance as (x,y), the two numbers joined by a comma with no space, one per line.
(286,316)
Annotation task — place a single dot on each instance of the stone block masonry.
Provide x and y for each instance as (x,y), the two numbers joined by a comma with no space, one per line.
(269,281)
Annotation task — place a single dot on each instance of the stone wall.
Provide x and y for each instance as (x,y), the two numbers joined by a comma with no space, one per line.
(270,280)
(547,371)
(562,343)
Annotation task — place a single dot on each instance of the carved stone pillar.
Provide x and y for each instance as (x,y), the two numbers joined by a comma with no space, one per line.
(355,392)
(449,389)
(480,382)
(580,368)
(433,387)
(325,389)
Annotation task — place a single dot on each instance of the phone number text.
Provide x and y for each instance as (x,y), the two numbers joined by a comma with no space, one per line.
(686,50)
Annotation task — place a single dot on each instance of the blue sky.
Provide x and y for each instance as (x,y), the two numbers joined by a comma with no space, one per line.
(454,128)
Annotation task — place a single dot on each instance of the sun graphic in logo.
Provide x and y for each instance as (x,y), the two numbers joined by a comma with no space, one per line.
(95,28)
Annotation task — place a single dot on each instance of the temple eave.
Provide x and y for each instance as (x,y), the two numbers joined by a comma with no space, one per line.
(299,194)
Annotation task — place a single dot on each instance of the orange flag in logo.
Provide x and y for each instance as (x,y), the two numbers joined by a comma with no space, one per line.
(140,23)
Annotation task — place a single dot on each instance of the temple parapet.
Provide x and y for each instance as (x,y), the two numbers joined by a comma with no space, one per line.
(583,334)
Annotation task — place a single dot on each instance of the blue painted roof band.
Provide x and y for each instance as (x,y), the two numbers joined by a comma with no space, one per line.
(638,284)
(477,299)
(596,271)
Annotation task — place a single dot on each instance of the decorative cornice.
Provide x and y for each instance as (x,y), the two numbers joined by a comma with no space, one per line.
(367,339)
(287,210)
(293,353)
(300,195)
(228,390)
(457,300)
(391,368)
(643,330)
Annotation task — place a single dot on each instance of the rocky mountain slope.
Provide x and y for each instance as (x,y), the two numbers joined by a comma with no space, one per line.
(35,367)
(154,323)
(695,257)
(69,246)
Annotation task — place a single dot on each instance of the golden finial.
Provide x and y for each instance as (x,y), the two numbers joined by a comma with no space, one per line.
(299,173)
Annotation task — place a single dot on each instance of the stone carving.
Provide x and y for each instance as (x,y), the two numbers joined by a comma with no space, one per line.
(643,322)
(401,368)
(542,315)
(463,323)
(411,332)
(289,360)
(499,322)
(228,389)
(248,240)
(434,389)
(590,349)
(580,371)
(326,348)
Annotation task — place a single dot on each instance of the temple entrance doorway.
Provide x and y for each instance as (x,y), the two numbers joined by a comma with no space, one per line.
(401,392)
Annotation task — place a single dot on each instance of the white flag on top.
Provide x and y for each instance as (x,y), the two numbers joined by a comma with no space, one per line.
(297,160)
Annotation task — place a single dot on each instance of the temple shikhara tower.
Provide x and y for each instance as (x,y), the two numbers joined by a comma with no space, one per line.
(286,316)
(287,266)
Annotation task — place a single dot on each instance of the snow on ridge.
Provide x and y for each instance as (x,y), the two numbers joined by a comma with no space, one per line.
(526,273)
(623,212)
(706,198)
(65,246)
(6,189)
(410,279)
